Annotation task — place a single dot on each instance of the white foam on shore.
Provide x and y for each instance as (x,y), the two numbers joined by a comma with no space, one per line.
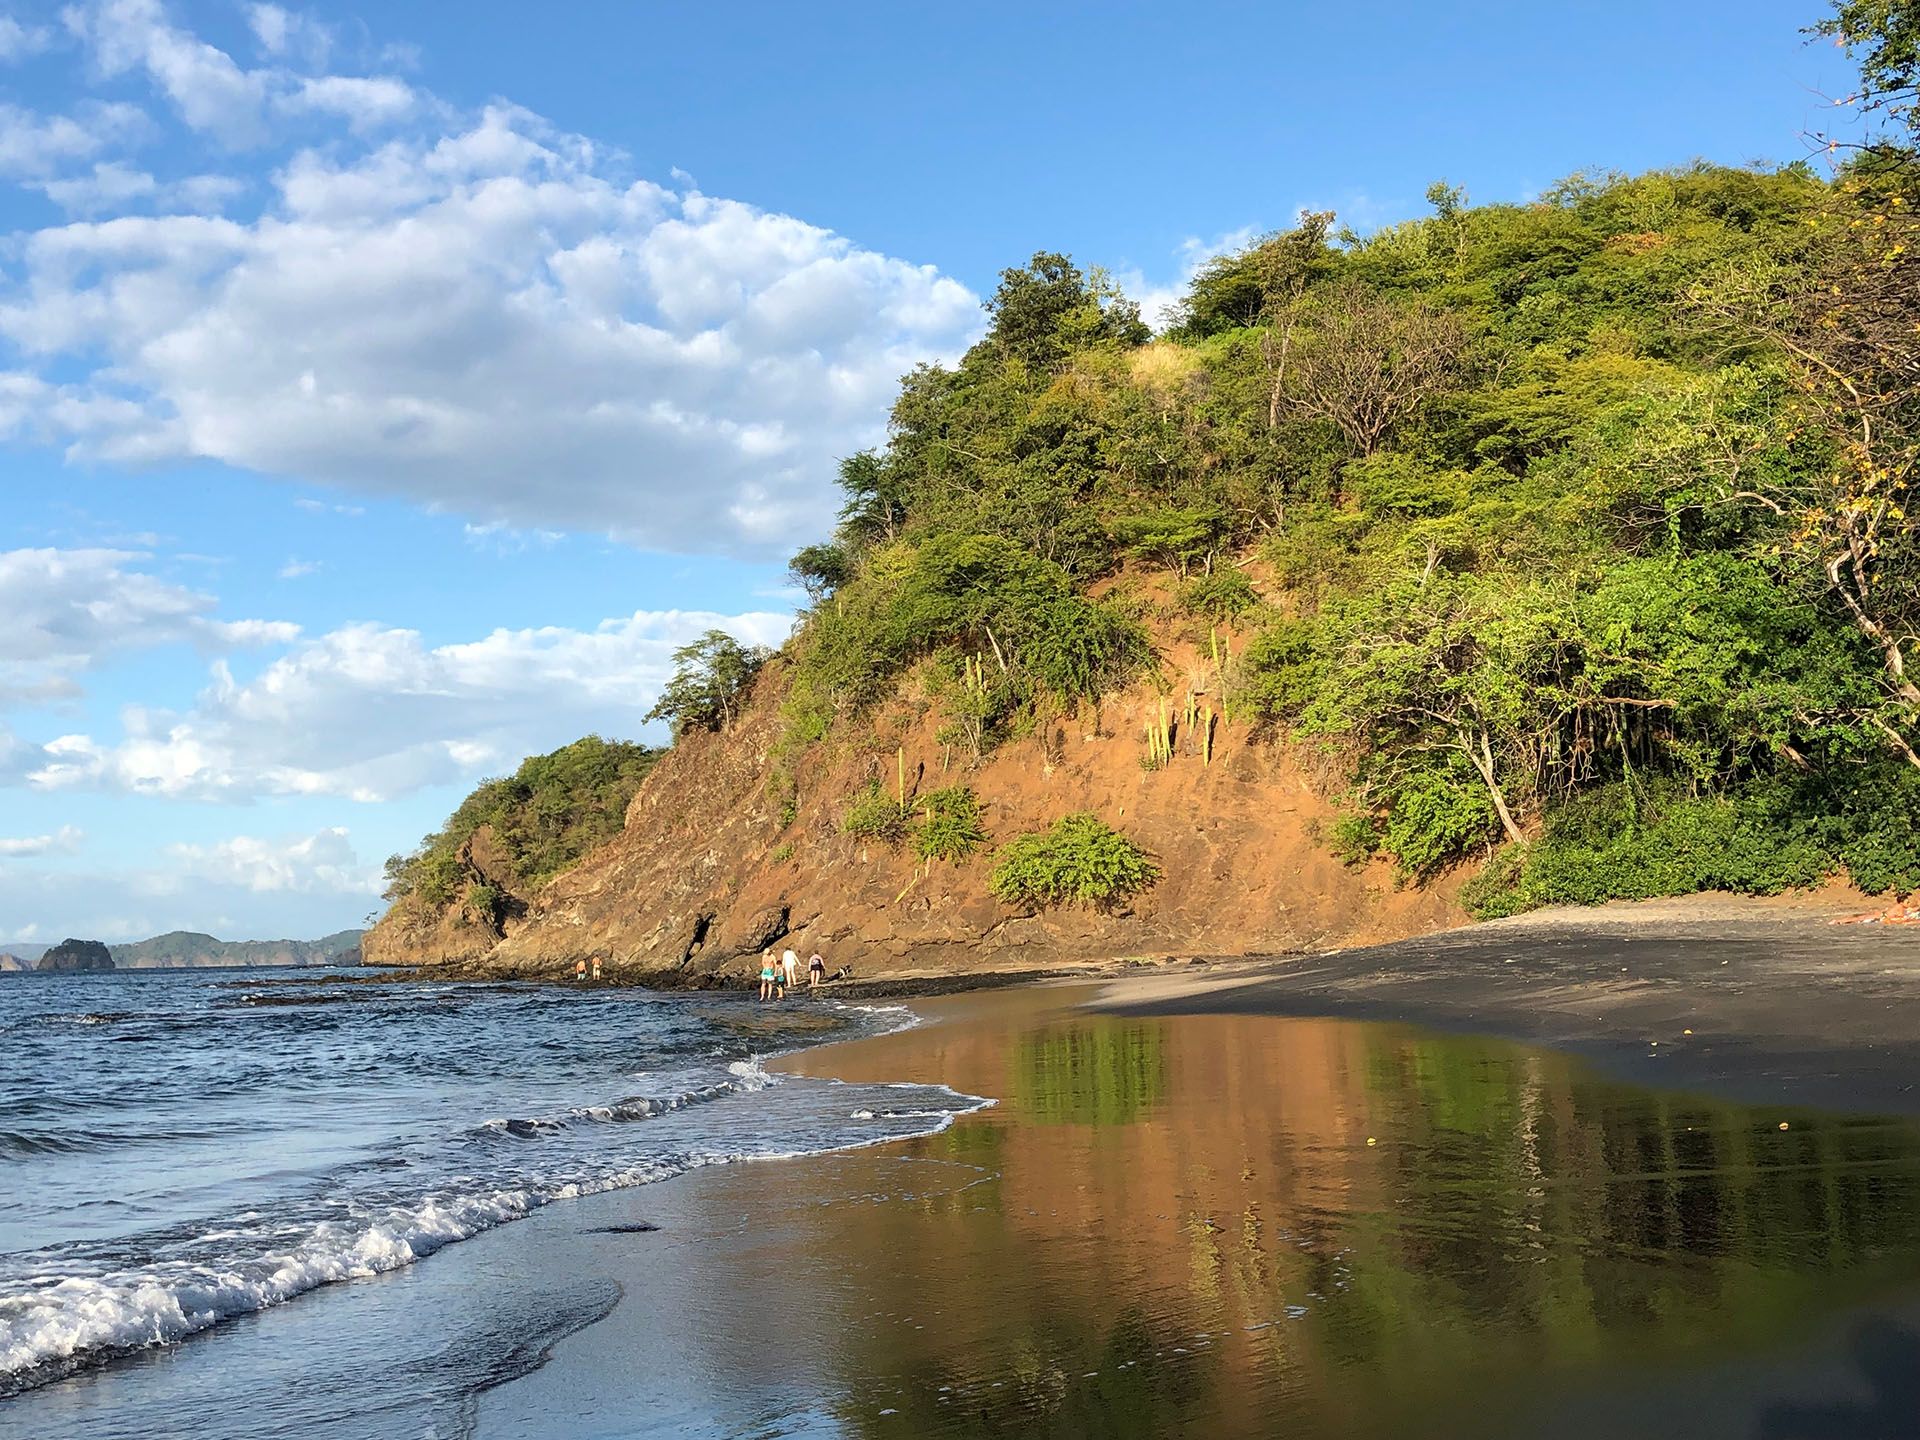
(49,1322)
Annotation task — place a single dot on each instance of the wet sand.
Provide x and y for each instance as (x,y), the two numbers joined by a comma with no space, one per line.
(1252,1223)
(1761,1006)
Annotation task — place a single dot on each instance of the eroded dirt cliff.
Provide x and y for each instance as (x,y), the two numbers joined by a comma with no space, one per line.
(713,865)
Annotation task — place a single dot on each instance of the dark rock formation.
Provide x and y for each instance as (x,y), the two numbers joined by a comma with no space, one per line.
(77,955)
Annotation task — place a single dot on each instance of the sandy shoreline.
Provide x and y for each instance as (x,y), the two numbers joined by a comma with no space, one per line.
(1201,1203)
(1757,1004)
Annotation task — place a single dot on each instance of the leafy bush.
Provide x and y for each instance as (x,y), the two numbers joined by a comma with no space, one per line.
(876,815)
(488,902)
(1081,860)
(1224,595)
(949,826)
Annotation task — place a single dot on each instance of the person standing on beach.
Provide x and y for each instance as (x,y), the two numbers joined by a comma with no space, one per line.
(790,965)
(766,976)
(816,970)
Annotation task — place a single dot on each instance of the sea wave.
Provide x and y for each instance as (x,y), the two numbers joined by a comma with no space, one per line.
(55,1319)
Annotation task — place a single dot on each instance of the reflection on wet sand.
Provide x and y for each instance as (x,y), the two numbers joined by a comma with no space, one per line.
(1249,1226)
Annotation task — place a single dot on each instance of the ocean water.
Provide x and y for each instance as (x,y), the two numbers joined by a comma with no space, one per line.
(180,1152)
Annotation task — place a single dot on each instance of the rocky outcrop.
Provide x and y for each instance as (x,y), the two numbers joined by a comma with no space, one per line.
(731,846)
(468,930)
(77,956)
(13,964)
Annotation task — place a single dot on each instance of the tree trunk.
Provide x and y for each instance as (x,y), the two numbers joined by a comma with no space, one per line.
(1483,762)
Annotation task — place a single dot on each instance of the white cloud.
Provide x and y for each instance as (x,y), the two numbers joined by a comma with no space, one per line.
(111,185)
(369,713)
(18,41)
(34,145)
(67,839)
(324,863)
(364,102)
(485,316)
(1159,301)
(66,610)
(288,35)
(296,569)
(212,93)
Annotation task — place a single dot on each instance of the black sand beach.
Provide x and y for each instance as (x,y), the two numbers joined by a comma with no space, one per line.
(1206,1205)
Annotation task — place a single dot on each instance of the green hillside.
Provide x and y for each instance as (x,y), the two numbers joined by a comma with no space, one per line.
(1572,531)
(544,816)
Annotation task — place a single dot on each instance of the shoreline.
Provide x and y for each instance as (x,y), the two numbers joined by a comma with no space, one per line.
(1779,1008)
(1023,1228)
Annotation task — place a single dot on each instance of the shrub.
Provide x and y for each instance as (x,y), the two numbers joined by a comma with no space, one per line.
(949,826)
(488,903)
(876,815)
(1225,595)
(1081,860)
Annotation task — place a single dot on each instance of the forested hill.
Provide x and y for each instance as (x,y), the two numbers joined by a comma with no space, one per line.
(1562,545)
(1573,532)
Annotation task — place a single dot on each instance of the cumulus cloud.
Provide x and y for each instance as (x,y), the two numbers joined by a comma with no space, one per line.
(324,863)
(212,93)
(67,838)
(67,610)
(370,713)
(284,34)
(246,887)
(34,145)
(479,314)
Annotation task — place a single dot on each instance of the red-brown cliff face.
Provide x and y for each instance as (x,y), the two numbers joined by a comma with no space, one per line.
(710,868)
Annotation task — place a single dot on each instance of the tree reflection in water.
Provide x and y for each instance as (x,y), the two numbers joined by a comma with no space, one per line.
(1229,1225)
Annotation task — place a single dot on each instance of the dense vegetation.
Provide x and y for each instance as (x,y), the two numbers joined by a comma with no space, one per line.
(1575,527)
(1080,861)
(544,816)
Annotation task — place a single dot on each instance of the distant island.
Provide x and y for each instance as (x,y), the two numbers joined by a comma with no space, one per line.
(180,950)
(77,956)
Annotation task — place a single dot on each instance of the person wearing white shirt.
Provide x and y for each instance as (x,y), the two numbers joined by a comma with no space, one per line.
(790,963)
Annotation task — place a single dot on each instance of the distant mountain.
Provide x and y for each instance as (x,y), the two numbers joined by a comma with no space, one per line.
(28,950)
(78,956)
(188,949)
(10,962)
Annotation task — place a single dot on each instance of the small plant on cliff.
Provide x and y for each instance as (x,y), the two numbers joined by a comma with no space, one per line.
(1080,861)
(876,815)
(949,826)
(487,902)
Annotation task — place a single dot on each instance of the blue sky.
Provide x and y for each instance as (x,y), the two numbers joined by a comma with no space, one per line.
(387,390)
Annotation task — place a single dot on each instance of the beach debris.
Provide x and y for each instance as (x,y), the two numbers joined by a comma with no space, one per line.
(1899,913)
(1372,1141)
(1783,1125)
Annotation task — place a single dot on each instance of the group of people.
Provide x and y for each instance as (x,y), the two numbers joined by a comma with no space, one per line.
(781,973)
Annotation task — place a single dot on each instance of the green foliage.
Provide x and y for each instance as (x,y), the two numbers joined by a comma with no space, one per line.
(1225,595)
(1885,36)
(949,826)
(544,817)
(819,570)
(1623,842)
(488,902)
(1552,490)
(876,814)
(1080,861)
(709,677)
